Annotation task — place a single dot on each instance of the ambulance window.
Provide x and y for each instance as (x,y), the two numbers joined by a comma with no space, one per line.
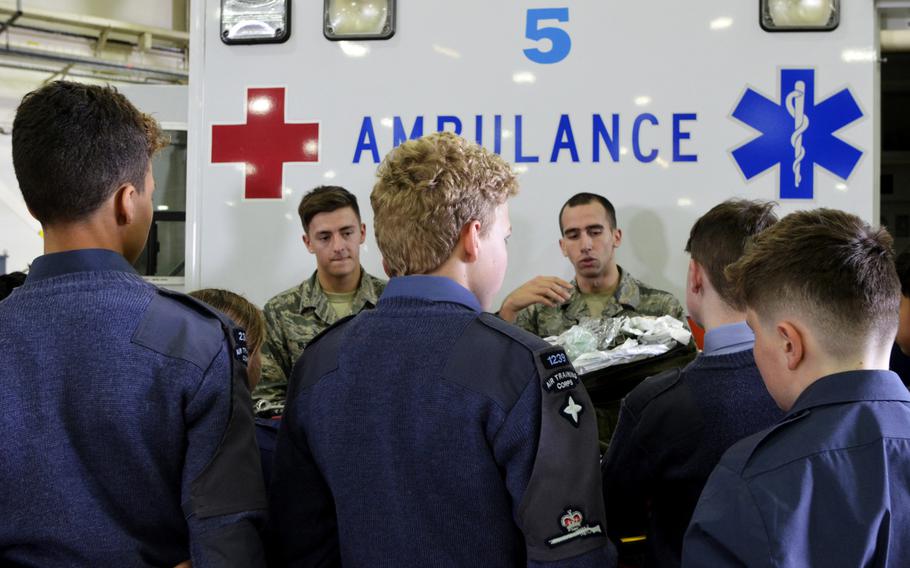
(164,254)
(895,161)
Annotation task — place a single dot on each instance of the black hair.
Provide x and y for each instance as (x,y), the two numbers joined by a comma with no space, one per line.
(585,198)
(75,144)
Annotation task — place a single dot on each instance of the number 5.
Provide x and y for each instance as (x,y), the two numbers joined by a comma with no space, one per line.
(560,41)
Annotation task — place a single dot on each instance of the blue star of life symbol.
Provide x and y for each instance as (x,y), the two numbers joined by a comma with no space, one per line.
(797,134)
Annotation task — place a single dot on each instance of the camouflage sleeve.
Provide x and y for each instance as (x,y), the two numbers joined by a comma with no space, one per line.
(271,391)
(527,319)
(675,309)
(656,302)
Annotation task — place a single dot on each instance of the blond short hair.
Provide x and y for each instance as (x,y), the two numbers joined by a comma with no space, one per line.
(428,190)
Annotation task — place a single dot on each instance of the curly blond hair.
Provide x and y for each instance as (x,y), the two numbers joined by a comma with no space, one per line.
(427,190)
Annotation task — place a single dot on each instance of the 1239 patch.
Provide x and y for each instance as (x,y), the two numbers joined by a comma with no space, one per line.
(241,353)
(554,359)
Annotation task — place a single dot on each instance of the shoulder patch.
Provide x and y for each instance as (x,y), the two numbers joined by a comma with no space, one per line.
(181,327)
(308,370)
(651,388)
(750,459)
(329,329)
(509,360)
(526,338)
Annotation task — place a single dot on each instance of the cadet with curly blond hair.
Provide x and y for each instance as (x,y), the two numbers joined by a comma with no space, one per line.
(426,424)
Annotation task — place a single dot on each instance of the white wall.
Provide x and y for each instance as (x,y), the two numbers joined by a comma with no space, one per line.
(156,13)
(19,233)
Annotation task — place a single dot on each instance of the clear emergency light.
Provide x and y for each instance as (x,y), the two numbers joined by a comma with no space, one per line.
(255,21)
(799,15)
(359,19)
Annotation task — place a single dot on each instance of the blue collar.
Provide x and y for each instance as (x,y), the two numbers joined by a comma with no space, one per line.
(432,288)
(730,338)
(82,260)
(852,386)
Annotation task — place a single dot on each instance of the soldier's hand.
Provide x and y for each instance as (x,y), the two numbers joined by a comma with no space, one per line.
(547,290)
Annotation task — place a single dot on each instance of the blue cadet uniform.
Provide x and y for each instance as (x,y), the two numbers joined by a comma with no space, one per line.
(126,429)
(827,486)
(427,433)
(672,431)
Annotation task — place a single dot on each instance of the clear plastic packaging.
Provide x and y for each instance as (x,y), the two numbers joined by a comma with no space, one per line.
(597,343)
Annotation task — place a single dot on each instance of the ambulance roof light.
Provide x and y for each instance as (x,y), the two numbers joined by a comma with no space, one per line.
(255,21)
(799,15)
(359,19)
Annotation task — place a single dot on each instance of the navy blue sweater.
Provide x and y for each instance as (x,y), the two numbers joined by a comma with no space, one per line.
(672,431)
(115,405)
(419,434)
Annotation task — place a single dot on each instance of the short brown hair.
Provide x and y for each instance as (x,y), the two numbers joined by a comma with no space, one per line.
(829,266)
(75,144)
(239,309)
(720,236)
(325,199)
(428,190)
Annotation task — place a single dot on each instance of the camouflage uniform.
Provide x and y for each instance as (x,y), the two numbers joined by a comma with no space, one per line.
(292,319)
(632,298)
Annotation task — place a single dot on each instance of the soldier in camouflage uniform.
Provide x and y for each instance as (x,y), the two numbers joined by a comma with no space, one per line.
(632,298)
(333,233)
(548,305)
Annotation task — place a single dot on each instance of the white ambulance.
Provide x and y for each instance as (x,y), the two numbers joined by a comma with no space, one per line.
(664,107)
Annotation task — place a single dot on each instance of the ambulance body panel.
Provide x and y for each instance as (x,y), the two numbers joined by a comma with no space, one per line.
(649,103)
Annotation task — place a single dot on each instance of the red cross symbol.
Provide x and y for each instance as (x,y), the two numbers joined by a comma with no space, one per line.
(265,143)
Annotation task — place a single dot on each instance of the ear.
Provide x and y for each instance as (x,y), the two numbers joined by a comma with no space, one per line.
(696,277)
(363,232)
(562,247)
(617,238)
(470,241)
(125,204)
(792,343)
(309,245)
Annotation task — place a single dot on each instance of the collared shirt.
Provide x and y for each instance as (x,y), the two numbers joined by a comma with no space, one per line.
(729,338)
(632,297)
(432,288)
(835,466)
(293,318)
(82,260)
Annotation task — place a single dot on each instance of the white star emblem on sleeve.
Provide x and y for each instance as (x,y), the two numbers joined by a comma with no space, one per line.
(572,410)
